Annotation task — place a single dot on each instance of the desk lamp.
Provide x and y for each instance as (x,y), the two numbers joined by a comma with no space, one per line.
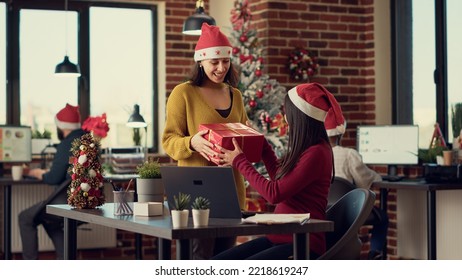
(137,121)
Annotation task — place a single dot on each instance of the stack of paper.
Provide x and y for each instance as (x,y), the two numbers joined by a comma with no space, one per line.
(277,218)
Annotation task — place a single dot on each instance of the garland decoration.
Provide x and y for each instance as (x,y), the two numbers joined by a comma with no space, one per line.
(86,188)
(302,64)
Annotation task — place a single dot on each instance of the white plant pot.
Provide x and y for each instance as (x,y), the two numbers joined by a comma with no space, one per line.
(150,190)
(180,218)
(39,145)
(200,217)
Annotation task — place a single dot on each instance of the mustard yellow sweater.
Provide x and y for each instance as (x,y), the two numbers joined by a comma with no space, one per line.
(186,110)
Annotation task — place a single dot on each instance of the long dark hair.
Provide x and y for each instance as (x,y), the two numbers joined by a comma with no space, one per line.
(304,132)
(198,76)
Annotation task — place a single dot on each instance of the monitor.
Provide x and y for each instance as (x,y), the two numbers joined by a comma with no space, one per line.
(15,143)
(390,145)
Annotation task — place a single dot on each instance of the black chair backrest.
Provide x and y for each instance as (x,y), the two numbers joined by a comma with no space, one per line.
(338,188)
(348,214)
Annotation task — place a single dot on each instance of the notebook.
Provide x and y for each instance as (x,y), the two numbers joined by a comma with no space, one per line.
(212,182)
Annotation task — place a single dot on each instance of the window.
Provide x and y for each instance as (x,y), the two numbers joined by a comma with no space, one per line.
(423,50)
(115,46)
(3,63)
(454,10)
(42,93)
(121,57)
(433,50)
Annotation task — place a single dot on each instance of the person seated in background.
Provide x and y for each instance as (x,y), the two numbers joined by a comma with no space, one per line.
(349,165)
(68,128)
(299,181)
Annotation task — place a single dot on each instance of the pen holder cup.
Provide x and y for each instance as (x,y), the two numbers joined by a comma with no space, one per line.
(123,202)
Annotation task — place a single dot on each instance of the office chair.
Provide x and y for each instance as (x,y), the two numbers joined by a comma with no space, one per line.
(339,188)
(59,196)
(348,214)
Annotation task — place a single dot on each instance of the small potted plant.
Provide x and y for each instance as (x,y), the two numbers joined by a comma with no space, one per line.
(180,211)
(149,187)
(200,211)
(457,131)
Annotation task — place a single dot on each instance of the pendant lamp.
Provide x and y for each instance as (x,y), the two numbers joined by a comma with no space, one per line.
(67,68)
(193,24)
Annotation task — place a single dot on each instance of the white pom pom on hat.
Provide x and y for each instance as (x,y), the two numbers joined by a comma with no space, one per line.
(333,124)
(212,44)
(316,101)
(68,117)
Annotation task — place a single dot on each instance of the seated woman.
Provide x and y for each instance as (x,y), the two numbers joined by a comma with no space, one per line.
(300,181)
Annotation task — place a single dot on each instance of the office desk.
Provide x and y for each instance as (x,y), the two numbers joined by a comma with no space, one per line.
(161,227)
(419,185)
(7,184)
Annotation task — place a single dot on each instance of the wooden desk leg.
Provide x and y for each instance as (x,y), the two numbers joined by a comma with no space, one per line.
(70,239)
(431,225)
(164,249)
(301,246)
(183,249)
(7,221)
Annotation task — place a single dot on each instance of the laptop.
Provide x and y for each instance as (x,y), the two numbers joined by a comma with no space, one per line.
(212,182)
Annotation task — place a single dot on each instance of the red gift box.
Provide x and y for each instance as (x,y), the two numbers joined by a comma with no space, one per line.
(250,140)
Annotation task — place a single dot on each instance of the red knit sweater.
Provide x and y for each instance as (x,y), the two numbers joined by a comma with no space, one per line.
(302,190)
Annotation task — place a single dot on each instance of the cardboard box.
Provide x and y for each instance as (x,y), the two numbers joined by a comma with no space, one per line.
(250,140)
(148,209)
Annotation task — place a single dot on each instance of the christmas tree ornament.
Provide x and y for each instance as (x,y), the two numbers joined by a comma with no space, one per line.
(258,72)
(259,93)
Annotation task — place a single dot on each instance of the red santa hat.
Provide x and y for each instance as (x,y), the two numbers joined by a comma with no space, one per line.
(212,44)
(315,101)
(68,117)
(333,124)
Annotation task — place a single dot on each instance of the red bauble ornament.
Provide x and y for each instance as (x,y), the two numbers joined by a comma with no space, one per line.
(252,103)
(243,38)
(259,93)
(258,72)
(260,59)
(268,119)
(236,50)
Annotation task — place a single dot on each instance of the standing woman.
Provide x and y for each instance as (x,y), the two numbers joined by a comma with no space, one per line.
(210,96)
(300,181)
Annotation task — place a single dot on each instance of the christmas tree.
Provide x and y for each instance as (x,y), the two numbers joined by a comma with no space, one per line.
(86,188)
(263,97)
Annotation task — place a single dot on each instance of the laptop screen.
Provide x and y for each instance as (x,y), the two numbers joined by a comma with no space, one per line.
(212,182)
